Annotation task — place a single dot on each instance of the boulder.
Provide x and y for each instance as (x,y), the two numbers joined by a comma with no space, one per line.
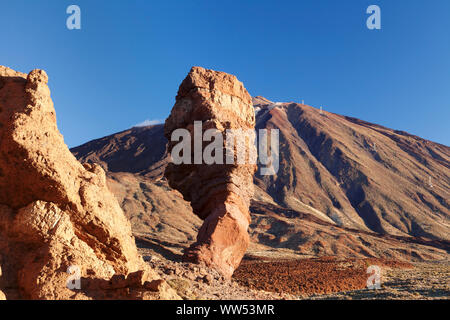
(58,219)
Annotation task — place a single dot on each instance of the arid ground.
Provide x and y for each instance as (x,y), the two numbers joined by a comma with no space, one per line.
(312,278)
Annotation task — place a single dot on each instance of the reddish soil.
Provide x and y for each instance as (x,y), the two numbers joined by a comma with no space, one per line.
(309,276)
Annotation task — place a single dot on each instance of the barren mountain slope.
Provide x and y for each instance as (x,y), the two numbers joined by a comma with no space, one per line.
(344,187)
(139,150)
(359,174)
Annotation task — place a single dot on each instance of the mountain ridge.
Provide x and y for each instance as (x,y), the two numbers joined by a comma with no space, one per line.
(342,170)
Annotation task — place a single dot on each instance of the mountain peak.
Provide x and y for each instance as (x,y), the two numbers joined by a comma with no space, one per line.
(260,101)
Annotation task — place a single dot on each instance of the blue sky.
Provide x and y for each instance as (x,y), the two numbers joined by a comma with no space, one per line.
(125,65)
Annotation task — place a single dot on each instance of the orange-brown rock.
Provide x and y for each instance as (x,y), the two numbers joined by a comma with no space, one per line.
(219,193)
(54,212)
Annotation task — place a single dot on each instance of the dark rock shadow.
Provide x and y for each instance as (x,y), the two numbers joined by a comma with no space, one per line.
(159,248)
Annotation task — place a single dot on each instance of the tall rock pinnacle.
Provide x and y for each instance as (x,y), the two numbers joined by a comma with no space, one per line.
(57,217)
(219,192)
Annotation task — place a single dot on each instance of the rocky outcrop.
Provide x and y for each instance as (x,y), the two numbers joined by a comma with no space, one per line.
(219,193)
(56,215)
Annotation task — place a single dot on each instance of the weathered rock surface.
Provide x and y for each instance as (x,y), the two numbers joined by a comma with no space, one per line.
(219,193)
(54,212)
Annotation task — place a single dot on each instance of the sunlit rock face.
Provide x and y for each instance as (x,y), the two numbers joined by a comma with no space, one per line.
(54,212)
(219,193)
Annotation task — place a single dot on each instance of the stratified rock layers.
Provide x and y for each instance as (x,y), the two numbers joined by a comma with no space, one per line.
(219,193)
(54,212)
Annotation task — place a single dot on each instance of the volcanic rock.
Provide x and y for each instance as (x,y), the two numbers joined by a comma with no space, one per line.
(56,215)
(218,193)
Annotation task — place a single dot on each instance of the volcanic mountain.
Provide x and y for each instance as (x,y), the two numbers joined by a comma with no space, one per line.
(345,187)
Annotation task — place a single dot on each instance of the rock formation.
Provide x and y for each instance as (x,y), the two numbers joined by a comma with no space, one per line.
(219,193)
(54,212)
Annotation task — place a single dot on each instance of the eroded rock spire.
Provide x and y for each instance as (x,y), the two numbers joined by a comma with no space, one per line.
(219,193)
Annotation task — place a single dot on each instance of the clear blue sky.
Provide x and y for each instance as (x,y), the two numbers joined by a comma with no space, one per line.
(125,64)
